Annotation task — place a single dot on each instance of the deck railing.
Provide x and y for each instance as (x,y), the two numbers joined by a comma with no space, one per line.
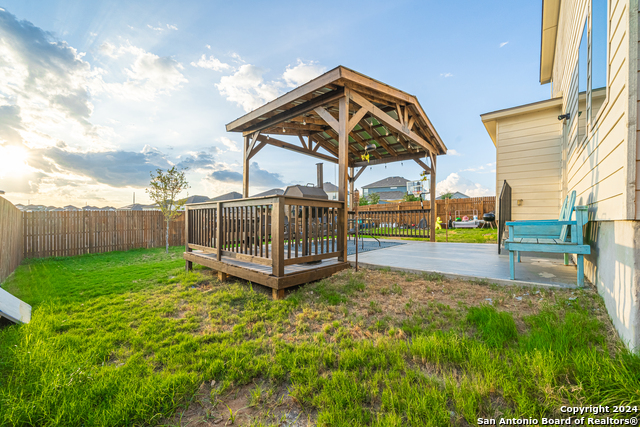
(273,231)
(392,223)
(504,212)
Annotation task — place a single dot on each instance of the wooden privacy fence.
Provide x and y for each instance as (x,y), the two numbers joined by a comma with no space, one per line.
(463,206)
(11,240)
(47,234)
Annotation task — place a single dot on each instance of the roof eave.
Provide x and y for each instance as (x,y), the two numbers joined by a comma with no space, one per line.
(549,32)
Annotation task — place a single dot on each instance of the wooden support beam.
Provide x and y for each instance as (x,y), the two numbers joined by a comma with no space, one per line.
(398,158)
(328,118)
(389,121)
(295,111)
(311,138)
(259,147)
(355,119)
(254,139)
(277,143)
(304,144)
(343,149)
(399,113)
(350,195)
(354,178)
(326,145)
(245,168)
(277,238)
(423,165)
(432,232)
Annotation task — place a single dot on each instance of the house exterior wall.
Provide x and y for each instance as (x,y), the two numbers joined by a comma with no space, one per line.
(529,158)
(597,166)
(602,166)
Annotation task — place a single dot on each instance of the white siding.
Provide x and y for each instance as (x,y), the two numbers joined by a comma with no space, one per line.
(529,158)
(597,167)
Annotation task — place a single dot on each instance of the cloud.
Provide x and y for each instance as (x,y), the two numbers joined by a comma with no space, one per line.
(148,75)
(212,63)
(257,177)
(455,182)
(229,143)
(302,73)
(247,88)
(195,161)
(172,27)
(155,28)
(227,176)
(108,49)
(486,168)
(503,44)
(46,79)
(114,168)
(452,152)
(446,75)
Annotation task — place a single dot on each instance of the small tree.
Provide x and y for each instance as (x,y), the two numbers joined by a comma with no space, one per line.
(164,190)
(363,201)
(410,198)
(447,196)
(374,198)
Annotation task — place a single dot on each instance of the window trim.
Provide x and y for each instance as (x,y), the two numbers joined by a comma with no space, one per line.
(595,122)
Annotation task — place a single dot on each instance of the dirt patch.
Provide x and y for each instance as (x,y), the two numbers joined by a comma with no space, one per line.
(245,405)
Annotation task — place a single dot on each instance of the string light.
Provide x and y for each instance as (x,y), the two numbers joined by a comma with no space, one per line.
(284,130)
(304,122)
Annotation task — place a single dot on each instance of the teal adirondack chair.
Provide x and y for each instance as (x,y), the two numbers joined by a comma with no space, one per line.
(550,236)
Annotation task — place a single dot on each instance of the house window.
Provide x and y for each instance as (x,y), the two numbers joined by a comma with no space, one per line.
(599,62)
(583,74)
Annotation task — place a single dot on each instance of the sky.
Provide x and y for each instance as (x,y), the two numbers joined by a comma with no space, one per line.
(96,95)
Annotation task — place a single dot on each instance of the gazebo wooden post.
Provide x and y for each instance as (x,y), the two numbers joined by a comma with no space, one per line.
(351,185)
(245,168)
(432,191)
(343,162)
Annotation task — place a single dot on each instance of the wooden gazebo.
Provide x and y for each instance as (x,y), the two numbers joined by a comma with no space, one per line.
(342,117)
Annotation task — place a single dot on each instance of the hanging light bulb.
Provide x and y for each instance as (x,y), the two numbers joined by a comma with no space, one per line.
(284,130)
(267,136)
(304,122)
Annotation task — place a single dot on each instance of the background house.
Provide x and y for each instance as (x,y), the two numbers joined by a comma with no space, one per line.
(394,184)
(583,138)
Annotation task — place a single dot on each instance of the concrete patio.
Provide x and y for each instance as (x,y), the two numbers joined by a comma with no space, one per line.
(470,261)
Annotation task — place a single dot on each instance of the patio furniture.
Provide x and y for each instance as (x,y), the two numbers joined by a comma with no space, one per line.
(551,236)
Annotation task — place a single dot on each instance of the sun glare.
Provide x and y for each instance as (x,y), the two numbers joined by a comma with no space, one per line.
(13,161)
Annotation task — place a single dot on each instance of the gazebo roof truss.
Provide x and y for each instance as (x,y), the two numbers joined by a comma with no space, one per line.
(378,115)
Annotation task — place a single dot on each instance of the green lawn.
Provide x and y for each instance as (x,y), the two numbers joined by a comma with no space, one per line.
(461,235)
(126,338)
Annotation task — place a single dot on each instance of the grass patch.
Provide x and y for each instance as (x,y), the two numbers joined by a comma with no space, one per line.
(127,338)
(460,235)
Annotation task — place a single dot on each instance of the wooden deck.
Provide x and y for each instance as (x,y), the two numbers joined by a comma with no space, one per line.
(268,240)
(295,274)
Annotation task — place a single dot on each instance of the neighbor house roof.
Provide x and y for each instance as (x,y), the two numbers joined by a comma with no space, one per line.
(456,195)
(550,18)
(272,192)
(329,187)
(197,199)
(228,196)
(392,181)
